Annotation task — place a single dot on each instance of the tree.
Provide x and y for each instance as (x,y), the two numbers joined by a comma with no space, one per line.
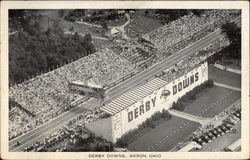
(88,37)
(146,12)
(76,36)
(71,29)
(61,13)
(233,33)
(48,31)
(104,24)
(34,50)
(197,12)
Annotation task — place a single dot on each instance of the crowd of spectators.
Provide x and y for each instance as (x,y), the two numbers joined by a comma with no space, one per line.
(47,93)
(182,29)
(136,51)
(73,131)
(17,118)
(191,62)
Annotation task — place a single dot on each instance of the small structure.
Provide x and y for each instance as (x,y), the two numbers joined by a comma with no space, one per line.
(192,145)
(121,12)
(113,32)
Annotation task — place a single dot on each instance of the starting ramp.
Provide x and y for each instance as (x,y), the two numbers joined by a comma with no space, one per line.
(202,121)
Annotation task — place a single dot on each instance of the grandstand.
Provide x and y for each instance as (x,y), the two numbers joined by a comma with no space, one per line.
(46,94)
(132,108)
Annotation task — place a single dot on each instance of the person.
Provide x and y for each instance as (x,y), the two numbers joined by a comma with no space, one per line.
(17,143)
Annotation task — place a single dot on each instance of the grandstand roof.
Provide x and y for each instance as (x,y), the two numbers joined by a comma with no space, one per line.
(133,96)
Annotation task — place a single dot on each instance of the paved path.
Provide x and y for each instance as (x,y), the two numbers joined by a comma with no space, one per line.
(202,121)
(42,131)
(89,24)
(227,86)
(122,27)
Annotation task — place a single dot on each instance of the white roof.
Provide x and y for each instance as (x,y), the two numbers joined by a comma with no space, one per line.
(235,145)
(189,147)
(133,96)
(114,31)
(95,85)
(87,83)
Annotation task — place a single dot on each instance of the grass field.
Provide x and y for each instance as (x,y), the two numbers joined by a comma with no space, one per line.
(165,136)
(212,101)
(225,77)
(137,24)
(143,24)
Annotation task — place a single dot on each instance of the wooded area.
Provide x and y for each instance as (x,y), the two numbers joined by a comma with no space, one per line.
(33,50)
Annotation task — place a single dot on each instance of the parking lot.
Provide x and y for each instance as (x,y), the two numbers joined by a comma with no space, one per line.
(218,144)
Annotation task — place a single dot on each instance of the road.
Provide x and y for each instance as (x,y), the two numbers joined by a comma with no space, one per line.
(122,27)
(41,132)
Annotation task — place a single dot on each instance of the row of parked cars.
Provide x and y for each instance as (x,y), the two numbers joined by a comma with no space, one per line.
(220,130)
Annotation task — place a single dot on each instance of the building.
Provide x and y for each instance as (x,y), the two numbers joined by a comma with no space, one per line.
(134,107)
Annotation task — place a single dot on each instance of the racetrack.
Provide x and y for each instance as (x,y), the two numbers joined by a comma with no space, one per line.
(40,132)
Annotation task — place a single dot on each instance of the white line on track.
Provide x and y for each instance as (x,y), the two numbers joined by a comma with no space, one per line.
(45,129)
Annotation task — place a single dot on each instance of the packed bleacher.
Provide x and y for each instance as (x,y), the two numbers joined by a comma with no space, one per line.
(188,26)
(191,62)
(135,52)
(19,118)
(47,93)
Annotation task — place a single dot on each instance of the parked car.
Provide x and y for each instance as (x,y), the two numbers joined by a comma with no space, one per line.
(228,126)
(199,141)
(215,133)
(237,115)
(210,135)
(238,110)
(219,131)
(205,138)
(228,120)
(223,128)
(235,118)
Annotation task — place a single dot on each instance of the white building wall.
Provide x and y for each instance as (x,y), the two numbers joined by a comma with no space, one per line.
(145,108)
